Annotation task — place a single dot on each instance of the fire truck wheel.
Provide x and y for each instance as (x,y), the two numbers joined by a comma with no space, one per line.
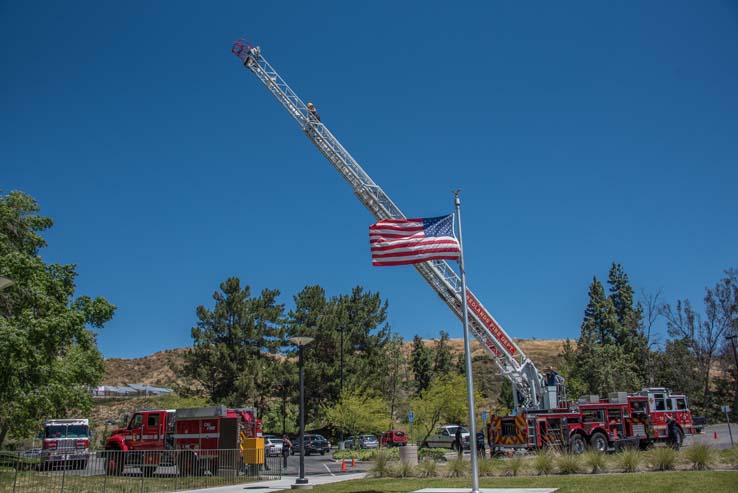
(148,471)
(598,441)
(577,444)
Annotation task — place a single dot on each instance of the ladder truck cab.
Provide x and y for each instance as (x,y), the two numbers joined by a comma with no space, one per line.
(195,440)
(601,424)
(65,442)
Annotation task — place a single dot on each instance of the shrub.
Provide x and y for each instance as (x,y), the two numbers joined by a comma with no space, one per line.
(543,463)
(381,467)
(432,453)
(486,467)
(364,454)
(629,460)
(569,463)
(427,468)
(512,466)
(594,461)
(662,458)
(457,468)
(403,469)
(701,455)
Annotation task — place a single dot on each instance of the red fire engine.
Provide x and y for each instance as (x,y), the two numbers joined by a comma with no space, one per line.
(65,442)
(193,440)
(602,424)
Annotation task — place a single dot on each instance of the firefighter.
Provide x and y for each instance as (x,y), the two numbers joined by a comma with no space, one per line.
(313,112)
(672,432)
(286,448)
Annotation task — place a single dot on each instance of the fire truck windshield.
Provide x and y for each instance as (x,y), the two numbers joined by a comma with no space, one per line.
(66,431)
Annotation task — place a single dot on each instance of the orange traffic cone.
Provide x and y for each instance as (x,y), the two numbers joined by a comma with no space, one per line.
(343,465)
(353,461)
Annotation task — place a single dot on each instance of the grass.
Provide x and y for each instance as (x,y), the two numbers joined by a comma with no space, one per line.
(594,461)
(629,460)
(646,482)
(543,463)
(513,466)
(381,467)
(457,468)
(427,468)
(569,463)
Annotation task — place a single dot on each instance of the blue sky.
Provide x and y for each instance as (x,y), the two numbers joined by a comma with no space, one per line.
(579,132)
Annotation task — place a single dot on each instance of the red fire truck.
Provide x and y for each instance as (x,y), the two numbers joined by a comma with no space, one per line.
(602,424)
(194,440)
(65,442)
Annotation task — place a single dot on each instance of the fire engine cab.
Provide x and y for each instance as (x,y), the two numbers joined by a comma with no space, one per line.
(194,440)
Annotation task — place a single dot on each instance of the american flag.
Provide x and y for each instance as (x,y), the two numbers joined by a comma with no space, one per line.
(411,241)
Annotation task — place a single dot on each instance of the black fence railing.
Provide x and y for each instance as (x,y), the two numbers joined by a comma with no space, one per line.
(132,471)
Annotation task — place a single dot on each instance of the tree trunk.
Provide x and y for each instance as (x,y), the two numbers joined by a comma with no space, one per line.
(3,432)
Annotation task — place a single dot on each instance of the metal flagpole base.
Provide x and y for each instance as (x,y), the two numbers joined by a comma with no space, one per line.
(302,484)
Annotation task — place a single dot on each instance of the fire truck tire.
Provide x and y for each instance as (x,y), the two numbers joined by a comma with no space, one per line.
(598,442)
(114,463)
(577,444)
(148,471)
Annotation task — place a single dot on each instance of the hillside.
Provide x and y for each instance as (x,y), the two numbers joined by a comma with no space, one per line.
(160,369)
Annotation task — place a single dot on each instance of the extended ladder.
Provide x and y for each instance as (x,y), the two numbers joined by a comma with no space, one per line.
(513,363)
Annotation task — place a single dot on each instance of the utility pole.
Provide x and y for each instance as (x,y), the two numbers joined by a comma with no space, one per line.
(340,389)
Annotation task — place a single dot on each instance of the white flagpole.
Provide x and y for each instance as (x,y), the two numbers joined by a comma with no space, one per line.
(467,357)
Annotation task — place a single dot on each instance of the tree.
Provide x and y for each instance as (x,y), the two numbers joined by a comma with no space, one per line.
(422,365)
(394,388)
(704,333)
(611,350)
(235,345)
(443,401)
(362,316)
(442,361)
(356,413)
(50,357)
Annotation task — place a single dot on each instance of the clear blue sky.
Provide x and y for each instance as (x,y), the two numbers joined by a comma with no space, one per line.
(580,133)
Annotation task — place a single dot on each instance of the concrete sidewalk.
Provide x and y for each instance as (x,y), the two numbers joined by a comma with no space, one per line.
(278,484)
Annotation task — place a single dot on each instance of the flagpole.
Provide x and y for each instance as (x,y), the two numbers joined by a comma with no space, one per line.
(467,357)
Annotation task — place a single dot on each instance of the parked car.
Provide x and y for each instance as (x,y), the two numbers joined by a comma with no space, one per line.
(313,444)
(445,436)
(393,438)
(273,447)
(362,441)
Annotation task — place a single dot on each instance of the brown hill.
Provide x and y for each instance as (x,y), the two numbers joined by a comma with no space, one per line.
(161,369)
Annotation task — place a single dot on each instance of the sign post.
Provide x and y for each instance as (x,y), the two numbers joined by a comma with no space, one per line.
(726,410)
(410,419)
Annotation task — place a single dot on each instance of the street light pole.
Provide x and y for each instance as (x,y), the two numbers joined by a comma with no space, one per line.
(301,482)
(340,390)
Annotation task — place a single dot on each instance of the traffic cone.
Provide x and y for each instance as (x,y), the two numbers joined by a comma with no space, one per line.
(343,465)
(353,461)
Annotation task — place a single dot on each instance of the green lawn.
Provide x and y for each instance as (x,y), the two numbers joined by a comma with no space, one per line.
(646,482)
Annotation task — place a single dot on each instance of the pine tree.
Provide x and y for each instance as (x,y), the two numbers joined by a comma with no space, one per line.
(442,363)
(422,365)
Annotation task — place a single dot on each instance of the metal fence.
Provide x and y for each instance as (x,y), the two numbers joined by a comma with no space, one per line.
(132,471)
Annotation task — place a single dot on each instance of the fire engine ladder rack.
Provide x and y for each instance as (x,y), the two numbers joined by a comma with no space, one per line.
(517,367)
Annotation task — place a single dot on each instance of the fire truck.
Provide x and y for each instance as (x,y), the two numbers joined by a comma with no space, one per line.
(65,442)
(194,440)
(637,420)
(542,413)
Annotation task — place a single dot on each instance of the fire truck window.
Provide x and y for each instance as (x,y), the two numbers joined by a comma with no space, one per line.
(660,404)
(638,406)
(681,405)
(593,415)
(137,421)
(153,420)
(669,405)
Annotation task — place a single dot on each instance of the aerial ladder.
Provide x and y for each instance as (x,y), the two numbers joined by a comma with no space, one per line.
(529,390)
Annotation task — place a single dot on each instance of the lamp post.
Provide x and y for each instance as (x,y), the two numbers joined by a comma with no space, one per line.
(301,482)
(340,389)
